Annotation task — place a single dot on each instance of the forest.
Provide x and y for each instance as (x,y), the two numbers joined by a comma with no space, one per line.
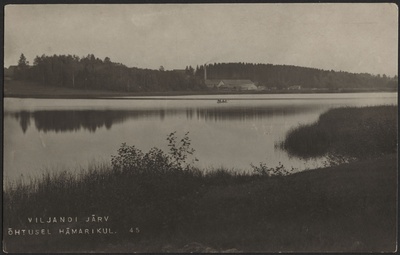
(284,76)
(92,73)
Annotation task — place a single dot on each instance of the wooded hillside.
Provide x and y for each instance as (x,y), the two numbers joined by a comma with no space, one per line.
(283,76)
(91,73)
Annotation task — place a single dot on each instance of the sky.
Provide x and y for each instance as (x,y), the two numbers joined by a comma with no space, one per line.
(352,37)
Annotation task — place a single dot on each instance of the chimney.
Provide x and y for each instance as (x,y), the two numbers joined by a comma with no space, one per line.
(205,72)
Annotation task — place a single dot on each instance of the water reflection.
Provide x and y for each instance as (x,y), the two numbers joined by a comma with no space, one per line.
(250,113)
(91,120)
(24,119)
(47,134)
(73,121)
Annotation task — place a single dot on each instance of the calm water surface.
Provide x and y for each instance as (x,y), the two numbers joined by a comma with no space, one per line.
(58,134)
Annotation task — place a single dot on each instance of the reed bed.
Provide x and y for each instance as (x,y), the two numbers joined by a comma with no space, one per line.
(348,132)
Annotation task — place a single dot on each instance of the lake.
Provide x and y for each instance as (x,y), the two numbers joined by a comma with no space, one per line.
(67,134)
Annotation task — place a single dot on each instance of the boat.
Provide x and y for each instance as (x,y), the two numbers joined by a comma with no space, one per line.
(222,101)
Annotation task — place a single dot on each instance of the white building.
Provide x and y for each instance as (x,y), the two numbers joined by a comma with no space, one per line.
(236,85)
(212,84)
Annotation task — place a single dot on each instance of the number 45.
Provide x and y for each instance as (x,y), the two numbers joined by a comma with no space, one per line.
(134,230)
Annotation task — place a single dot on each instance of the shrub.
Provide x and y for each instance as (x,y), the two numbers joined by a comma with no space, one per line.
(129,157)
(181,152)
(264,170)
(179,158)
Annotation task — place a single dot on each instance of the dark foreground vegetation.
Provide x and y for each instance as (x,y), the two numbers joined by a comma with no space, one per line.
(158,201)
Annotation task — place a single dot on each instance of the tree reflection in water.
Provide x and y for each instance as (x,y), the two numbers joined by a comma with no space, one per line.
(91,120)
(72,121)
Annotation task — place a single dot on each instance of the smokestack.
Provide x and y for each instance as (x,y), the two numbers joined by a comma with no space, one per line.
(205,72)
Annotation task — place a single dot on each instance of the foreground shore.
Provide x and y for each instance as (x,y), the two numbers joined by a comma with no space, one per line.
(23,89)
(345,208)
(351,207)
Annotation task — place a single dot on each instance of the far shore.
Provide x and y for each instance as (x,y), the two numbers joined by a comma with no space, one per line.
(24,89)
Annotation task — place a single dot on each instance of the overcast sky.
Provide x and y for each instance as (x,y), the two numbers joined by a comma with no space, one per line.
(348,37)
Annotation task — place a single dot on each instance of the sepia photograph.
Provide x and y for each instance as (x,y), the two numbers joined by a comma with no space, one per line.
(200,128)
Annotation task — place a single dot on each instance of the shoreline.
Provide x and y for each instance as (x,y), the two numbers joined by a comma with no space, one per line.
(22,89)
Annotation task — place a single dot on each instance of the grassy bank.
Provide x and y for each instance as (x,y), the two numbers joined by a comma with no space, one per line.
(348,132)
(344,208)
(24,89)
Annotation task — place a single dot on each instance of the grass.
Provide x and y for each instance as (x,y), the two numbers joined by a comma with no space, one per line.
(177,208)
(343,208)
(348,132)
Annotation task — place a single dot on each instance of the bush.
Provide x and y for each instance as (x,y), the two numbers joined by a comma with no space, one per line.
(128,157)
(179,158)
(264,170)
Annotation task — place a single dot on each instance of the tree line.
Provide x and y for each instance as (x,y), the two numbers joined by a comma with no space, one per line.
(90,72)
(283,76)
